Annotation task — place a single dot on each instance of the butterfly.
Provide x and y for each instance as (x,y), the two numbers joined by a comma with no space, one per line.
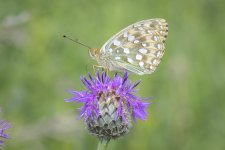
(137,48)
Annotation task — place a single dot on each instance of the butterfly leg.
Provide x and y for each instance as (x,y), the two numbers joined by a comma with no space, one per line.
(103,68)
(97,66)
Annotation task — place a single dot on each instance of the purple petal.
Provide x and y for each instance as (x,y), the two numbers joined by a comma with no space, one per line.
(136,84)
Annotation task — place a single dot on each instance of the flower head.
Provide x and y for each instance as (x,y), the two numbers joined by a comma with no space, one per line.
(3,126)
(109,104)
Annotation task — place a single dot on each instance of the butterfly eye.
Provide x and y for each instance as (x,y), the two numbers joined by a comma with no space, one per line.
(91,52)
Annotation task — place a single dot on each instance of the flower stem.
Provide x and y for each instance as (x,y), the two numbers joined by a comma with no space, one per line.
(103,144)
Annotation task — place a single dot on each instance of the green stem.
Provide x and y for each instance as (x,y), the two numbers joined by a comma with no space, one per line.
(103,144)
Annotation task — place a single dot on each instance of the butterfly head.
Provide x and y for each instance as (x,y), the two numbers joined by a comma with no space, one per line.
(94,52)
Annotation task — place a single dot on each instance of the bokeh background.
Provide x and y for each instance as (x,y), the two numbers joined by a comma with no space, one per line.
(37,66)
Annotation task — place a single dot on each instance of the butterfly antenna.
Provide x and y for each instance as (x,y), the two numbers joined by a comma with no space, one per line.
(76,41)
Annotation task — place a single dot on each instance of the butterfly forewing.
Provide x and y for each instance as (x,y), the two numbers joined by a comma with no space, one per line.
(137,48)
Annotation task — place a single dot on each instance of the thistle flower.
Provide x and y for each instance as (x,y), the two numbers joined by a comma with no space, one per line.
(3,126)
(109,106)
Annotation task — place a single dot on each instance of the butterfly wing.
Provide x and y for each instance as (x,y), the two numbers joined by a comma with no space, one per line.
(138,48)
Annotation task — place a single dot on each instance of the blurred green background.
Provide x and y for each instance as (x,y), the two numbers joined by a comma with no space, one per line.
(37,66)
